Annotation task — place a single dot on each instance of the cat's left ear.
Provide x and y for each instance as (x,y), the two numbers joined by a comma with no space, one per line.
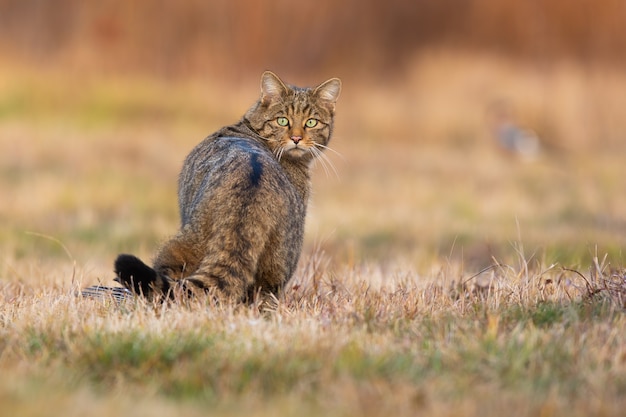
(328,91)
(272,88)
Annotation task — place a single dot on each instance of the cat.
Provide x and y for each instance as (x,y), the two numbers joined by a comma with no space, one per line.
(243,195)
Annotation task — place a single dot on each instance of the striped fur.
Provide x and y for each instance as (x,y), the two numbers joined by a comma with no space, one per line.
(243,194)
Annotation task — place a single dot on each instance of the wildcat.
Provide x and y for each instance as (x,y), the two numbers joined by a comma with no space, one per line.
(243,195)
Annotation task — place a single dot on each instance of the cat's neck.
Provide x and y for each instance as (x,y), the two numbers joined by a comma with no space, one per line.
(299,174)
(297,170)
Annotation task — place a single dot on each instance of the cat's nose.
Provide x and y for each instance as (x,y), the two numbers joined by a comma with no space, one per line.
(296,139)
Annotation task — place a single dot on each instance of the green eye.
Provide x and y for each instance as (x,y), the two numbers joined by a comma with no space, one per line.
(311,123)
(282,121)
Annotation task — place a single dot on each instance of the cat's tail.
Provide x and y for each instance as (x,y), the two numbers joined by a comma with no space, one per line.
(141,279)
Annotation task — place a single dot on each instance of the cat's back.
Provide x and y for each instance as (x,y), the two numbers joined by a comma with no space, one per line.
(223,173)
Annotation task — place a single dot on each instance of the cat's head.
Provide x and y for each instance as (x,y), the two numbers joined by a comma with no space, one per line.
(295,122)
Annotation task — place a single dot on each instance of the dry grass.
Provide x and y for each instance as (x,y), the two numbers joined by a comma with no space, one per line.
(440,276)
(339,342)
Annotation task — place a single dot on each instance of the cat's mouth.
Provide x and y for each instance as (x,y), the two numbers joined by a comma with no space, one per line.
(296,148)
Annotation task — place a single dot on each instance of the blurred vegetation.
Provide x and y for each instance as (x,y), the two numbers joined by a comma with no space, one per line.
(364,36)
(398,307)
(101,101)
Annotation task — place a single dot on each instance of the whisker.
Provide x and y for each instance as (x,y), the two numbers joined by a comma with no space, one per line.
(317,157)
(330,149)
(327,160)
(324,161)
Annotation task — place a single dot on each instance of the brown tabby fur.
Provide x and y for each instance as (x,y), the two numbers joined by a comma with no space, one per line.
(243,194)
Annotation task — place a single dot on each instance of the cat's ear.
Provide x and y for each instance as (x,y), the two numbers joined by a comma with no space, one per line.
(329,91)
(272,88)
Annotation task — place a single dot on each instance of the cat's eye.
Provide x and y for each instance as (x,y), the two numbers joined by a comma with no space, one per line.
(282,121)
(311,123)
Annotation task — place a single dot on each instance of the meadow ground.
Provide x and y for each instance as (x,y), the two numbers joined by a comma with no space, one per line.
(441,276)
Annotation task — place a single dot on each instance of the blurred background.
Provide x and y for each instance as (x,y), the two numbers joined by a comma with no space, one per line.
(468,130)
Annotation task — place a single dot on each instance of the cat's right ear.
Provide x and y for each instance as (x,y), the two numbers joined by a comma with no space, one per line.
(272,88)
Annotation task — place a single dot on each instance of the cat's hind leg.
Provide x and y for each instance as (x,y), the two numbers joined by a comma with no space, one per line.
(230,278)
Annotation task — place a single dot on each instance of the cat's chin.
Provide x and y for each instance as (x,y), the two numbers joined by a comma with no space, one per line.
(296,151)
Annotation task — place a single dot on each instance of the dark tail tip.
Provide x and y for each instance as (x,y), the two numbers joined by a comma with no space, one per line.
(134,274)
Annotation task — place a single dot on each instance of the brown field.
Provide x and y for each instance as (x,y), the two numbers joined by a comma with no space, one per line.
(441,275)
(391,311)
